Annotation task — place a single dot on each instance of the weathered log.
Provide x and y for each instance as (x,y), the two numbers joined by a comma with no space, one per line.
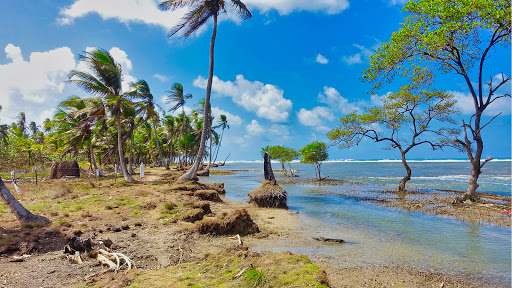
(330,240)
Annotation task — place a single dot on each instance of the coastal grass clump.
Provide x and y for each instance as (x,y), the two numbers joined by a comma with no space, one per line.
(222,270)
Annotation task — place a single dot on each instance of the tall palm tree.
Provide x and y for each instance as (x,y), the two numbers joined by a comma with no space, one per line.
(149,108)
(223,123)
(4,128)
(22,123)
(105,81)
(200,12)
(177,96)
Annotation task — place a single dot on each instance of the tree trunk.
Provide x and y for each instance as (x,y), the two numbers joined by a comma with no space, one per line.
(130,160)
(407,177)
(23,215)
(93,160)
(122,163)
(267,168)
(158,147)
(180,157)
(210,151)
(218,145)
(191,173)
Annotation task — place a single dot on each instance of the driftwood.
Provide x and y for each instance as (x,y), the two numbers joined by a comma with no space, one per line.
(115,261)
(329,240)
(242,269)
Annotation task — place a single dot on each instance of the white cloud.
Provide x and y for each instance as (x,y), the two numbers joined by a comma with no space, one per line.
(321,59)
(466,105)
(162,78)
(353,59)
(363,54)
(285,7)
(254,128)
(233,120)
(147,11)
(187,109)
(125,11)
(396,2)
(13,53)
(315,118)
(333,98)
(378,100)
(35,85)
(265,100)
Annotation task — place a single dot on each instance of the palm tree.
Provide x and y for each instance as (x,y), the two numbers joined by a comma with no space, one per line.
(149,108)
(177,96)
(223,123)
(200,12)
(22,123)
(104,81)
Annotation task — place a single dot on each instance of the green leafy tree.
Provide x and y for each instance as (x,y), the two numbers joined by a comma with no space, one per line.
(314,153)
(406,120)
(455,36)
(285,155)
(200,12)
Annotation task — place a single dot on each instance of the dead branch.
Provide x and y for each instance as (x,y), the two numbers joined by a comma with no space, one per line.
(242,270)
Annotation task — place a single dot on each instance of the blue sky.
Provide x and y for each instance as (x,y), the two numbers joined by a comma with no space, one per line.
(283,77)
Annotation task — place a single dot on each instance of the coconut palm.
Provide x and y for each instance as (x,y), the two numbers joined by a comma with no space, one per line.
(223,123)
(104,80)
(200,12)
(177,96)
(22,123)
(149,108)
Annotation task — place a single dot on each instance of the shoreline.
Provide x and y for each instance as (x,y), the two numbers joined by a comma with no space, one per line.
(98,208)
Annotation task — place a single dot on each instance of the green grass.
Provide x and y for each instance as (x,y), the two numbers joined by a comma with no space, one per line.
(253,278)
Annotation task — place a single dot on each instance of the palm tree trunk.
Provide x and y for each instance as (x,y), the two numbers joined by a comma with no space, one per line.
(158,147)
(130,159)
(23,215)
(93,160)
(179,138)
(191,173)
(218,146)
(210,151)
(122,163)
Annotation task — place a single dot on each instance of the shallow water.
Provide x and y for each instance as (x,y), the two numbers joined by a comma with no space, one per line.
(378,235)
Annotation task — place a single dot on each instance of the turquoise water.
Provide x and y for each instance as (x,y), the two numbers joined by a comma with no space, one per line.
(378,235)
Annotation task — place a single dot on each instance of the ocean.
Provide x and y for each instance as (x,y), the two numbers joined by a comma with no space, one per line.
(379,235)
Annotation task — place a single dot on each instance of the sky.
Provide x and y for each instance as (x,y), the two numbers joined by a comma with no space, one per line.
(283,77)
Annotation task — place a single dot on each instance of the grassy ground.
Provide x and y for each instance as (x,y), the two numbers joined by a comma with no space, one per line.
(153,224)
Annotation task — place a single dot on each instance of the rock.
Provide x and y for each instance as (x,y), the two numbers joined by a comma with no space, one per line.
(269,195)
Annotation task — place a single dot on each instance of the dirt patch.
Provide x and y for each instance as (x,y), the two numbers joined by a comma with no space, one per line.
(208,195)
(268,195)
(235,222)
(61,169)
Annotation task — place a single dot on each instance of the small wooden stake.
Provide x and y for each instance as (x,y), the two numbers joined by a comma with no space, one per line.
(115,173)
(35,170)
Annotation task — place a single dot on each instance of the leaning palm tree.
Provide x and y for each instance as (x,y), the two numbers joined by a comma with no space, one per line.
(22,123)
(200,12)
(223,123)
(177,96)
(104,80)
